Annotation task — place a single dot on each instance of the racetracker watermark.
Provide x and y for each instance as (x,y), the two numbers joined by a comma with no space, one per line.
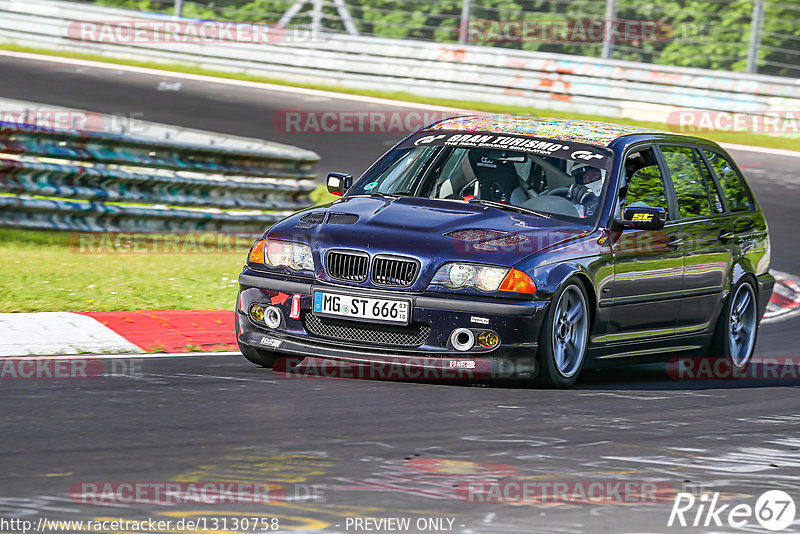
(134,243)
(197,523)
(377,121)
(760,368)
(69,119)
(187,31)
(569,31)
(482,241)
(451,368)
(60,368)
(181,492)
(567,491)
(772,122)
(774,510)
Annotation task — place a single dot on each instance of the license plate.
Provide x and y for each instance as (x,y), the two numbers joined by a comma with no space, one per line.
(364,308)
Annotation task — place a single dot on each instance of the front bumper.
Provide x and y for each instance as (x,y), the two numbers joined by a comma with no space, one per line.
(516,322)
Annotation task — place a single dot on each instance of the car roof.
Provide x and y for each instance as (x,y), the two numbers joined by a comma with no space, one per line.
(579,131)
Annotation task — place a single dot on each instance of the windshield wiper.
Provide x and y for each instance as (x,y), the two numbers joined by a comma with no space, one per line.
(508,207)
(387,195)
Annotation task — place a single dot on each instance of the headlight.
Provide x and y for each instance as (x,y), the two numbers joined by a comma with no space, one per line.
(460,275)
(463,275)
(296,256)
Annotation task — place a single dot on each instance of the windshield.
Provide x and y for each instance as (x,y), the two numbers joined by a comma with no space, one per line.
(550,185)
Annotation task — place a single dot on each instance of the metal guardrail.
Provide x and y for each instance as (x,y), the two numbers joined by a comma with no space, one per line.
(478,73)
(120,149)
(99,181)
(112,185)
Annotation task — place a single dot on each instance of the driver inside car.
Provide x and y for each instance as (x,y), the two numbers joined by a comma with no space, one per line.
(509,177)
(587,189)
(591,178)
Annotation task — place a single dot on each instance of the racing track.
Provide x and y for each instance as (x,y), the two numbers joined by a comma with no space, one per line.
(385,449)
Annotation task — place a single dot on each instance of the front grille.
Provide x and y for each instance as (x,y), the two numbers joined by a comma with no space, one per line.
(412,335)
(347,266)
(391,271)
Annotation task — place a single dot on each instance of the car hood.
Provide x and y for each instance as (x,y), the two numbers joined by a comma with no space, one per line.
(431,231)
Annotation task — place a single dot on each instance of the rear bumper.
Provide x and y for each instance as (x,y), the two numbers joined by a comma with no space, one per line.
(516,322)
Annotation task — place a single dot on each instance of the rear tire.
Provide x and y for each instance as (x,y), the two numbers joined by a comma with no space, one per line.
(259,357)
(564,337)
(737,328)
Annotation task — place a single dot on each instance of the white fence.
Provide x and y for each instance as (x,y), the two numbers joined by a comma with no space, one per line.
(455,72)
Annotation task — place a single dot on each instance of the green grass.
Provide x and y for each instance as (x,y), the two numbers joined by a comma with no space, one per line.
(320,195)
(46,271)
(52,271)
(784,142)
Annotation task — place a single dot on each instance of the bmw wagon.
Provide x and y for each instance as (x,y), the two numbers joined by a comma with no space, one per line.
(540,245)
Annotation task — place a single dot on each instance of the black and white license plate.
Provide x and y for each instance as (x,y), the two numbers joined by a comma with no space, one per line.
(363,308)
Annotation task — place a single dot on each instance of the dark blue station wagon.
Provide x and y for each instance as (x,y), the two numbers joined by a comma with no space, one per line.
(499,243)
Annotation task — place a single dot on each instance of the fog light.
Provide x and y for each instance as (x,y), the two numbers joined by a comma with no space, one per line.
(462,339)
(273,317)
(488,339)
(257,312)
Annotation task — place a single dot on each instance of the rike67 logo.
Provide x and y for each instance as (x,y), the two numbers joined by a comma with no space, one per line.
(774,510)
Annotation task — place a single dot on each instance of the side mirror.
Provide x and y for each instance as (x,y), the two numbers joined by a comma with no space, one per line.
(339,183)
(644,218)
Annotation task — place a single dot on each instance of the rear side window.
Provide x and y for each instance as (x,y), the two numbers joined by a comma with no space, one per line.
(732,185)
(713,192)
(691,188)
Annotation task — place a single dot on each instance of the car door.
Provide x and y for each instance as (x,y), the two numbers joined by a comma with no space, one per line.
(707,235)
(648,265)
(747,223)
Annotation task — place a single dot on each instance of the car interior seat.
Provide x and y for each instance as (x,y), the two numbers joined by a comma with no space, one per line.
(497,178)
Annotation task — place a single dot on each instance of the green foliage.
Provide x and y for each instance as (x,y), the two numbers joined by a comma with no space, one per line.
(711,34)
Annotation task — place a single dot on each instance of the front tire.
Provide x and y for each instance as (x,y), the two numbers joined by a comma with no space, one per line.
(564,337)
(737,329)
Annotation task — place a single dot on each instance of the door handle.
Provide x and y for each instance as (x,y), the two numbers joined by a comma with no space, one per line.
(725,236)
(675,244)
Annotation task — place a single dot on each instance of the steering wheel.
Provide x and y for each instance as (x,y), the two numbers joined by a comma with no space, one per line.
(577,194)
(559,192)
(580,194)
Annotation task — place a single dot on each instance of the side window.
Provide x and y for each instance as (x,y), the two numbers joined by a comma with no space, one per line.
(713,192)
(690,185)
(645,185)
(732,186)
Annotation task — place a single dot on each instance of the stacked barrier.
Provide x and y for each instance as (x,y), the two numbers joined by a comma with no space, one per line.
(104,182)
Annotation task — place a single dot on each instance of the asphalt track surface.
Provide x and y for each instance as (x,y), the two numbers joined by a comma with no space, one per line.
(381,449)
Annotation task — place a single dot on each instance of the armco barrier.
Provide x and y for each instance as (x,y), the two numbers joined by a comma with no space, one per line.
(552,81)
(57,214)
(112,185)
(277,161)
(104,182)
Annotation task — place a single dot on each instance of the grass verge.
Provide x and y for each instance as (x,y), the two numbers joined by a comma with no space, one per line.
(45,271)
(785,142)
(56,271)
